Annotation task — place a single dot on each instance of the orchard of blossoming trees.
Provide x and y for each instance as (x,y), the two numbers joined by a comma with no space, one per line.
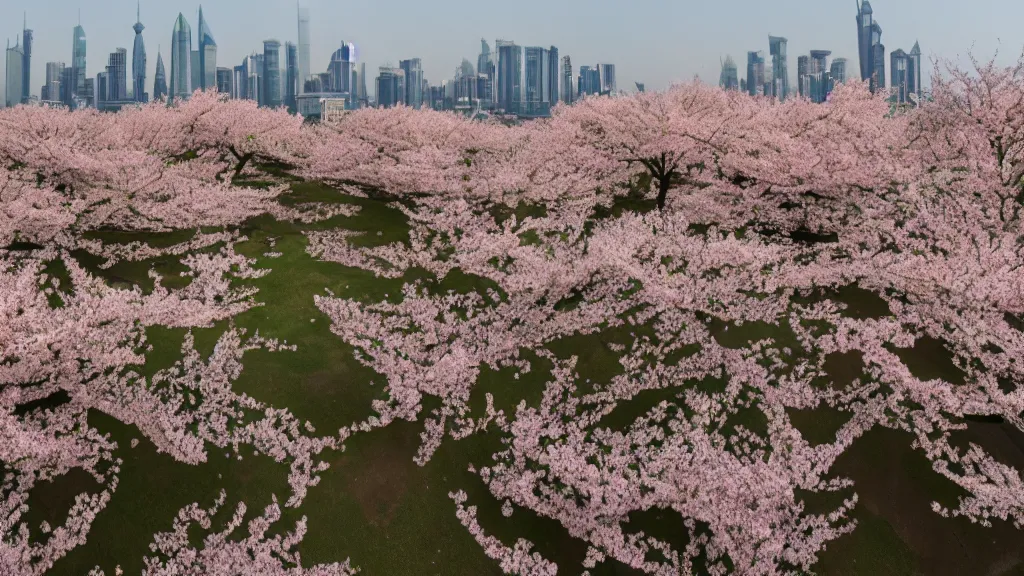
(720,304)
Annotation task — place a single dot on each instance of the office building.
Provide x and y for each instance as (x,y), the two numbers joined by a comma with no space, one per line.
(14,74)
(755,73)
(67,86)
(589,81)
(413,69)
(303,48)
(729,78)
(780,67)
(390,87)
(77,65)
(508,95)
(139,61)
(102,89)
(225,80)
(537,88)
(803,66)
(196,77)
(160,78)
(271,73)
(818,77)
(116,76)
(207,53)
(607,75)
(553,76)
(52,89)
(869,43)
(567,83)
(838,71)
(914,71)
(906,74)
(26,66)
(291,76)
(181,60)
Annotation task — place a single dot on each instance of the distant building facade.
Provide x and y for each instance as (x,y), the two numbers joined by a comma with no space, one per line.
(729,78)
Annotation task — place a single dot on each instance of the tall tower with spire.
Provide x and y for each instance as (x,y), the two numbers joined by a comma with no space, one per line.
(139,61)
(871,49)
(160,78)
(207,55)
(78,60)
(303,47)
(26,67)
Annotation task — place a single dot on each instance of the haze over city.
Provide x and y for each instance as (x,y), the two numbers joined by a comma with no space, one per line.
(649,41)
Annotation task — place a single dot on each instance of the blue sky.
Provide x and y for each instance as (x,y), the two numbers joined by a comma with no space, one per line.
(652,41)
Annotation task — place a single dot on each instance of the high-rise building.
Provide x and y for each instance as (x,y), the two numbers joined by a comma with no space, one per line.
(510,76)
(303,47)
(413,69)
(362,96)
(729,78)
(589,81)
(818,78)
(485,65)
(196,79)
(15,61)
(272,73)
(102,88)
(340,68)
(838,71)
(553,93)
(207,55)
(139,61)
(869,42)
(291,82)
(567,80)
(224,80)
(390,87)
(89,94)
(77,64)
(639,86)
(181,60)
(755,73)
(117,70)
(905,74)
(914,72)
(160,78)
(803,66)
(26,66)
(780,66)
(607,75)
(536,101)
(67,86)
(54,75)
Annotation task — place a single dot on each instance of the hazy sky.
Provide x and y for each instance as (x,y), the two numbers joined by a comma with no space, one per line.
(652,41)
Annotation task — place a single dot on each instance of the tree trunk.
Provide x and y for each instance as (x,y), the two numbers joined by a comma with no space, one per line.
(663,184)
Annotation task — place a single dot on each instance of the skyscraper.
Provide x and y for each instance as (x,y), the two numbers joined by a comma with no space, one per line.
(567,80)
(413,69)
(755,73)
(77,63)
(818,78)
(138,61)
(224,80)
(54,74)
(485,65)
(160,78)
(536,101)
(67,86)
(589,81)
(780,66)
(207,55)
(869,42)
(553,76)
(510,76)
(607,73)
(26,66)
(196,78)
(117,70)
(303,47)
(390,86)
(181,60)
(102,89)
(729,78)
(271,73)
(15,61)
(838,71)
(362,84)
(914,72)
(291,83)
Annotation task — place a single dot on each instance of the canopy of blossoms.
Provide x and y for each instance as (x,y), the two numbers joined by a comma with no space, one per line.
(762,213)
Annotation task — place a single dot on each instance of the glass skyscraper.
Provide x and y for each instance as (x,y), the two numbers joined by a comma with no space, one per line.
(117,70)
(138,61)
(537,100)
(872,51)
(78,63)
(413,70)
(271,73)
(780,67)
(303,48)
(510,76)
(390,87)
(26,67)
(755,73)
(607,74)
(181,59)
(207,73)
(729,78)
(15,61)
(567,79)
(160,78)
(291,82)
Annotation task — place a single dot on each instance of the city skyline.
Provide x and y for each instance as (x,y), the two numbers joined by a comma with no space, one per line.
(943,33)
